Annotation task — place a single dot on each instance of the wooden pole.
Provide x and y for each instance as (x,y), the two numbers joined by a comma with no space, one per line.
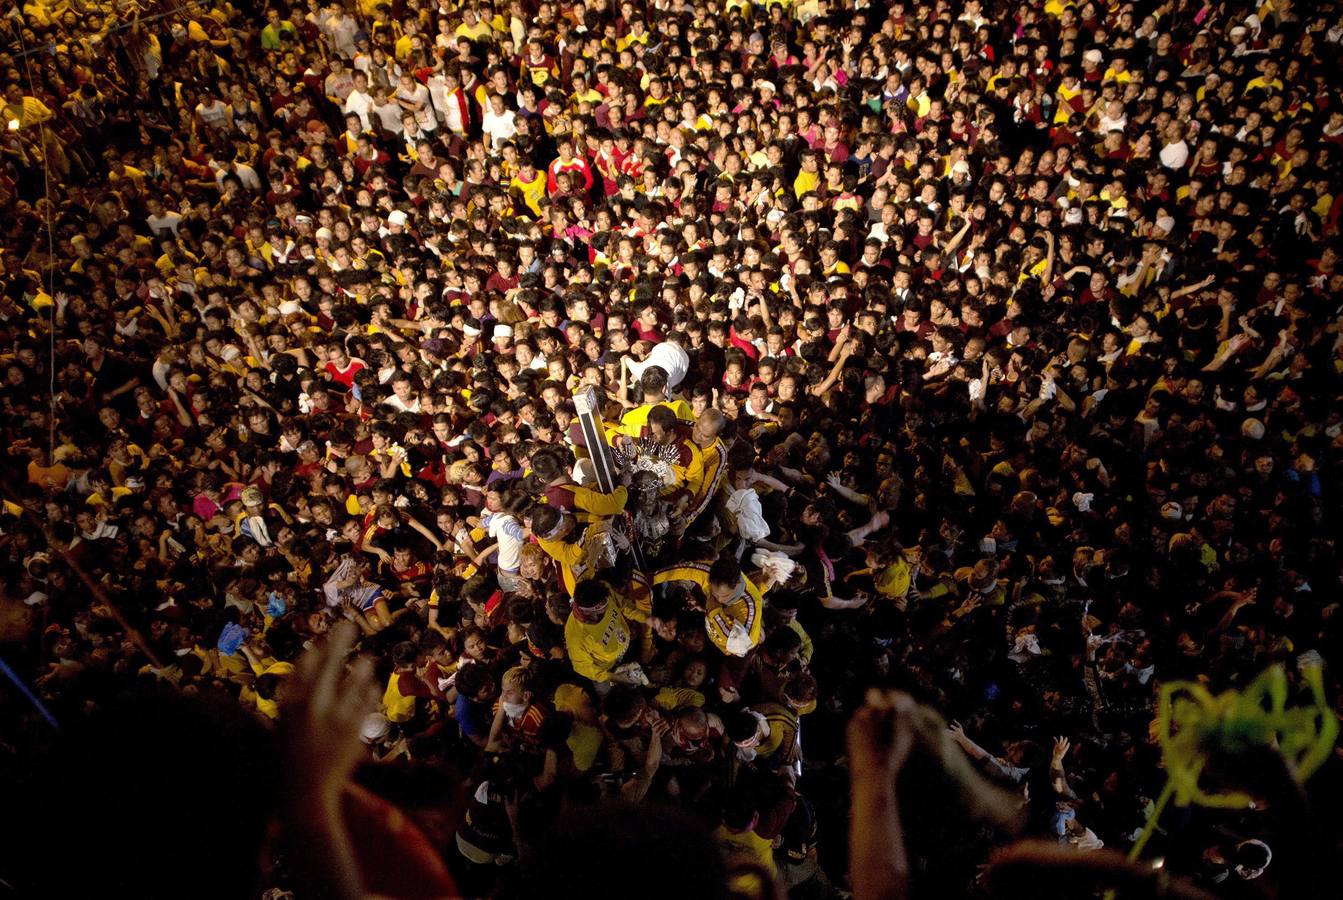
(587,405)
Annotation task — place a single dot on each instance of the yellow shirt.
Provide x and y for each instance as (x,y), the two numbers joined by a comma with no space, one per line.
(746,609)
(632,423)
(804,182)
(396,706)
(745,847)
(478,32)
(595,649)
(1259,83)
(572,562)
(30,112)
(531,192)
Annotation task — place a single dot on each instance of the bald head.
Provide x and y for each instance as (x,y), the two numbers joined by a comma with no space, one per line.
(708,426)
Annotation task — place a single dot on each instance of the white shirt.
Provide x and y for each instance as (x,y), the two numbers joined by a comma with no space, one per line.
(342,29)
(166,222)
(214,115)
(390,116)
(499,127)
(418,95)
(361,104)
(505,530)
(339,85)
(1174,156)
(400,405)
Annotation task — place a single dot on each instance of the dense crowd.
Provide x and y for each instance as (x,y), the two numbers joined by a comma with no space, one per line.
(986,350)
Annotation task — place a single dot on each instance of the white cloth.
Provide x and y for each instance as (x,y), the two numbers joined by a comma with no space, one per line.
(777,567)
(744,506)
(738,640)
(670,357)
(506,531)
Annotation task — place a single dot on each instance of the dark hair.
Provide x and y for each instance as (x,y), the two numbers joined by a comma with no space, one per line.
(725,570)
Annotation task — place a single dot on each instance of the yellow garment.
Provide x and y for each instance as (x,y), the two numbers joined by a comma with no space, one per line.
(805,182)
(478,32)
(572,562)
(592,505)
(745,847)
(396,706)
(632,423)
(704,475)
(893,580)
(31,111)
(746,609)
(782,730)
(532,192)
(269,708)
(595,649)
(670,698)
(805,651)
(584,742)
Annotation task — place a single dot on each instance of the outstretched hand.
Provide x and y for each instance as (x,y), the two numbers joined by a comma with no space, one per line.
(321,711)
(881,734)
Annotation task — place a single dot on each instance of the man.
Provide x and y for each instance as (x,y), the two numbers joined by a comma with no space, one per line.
(766,734)
(567,162)
(359,102)
(529,185)
(734,605)
(653,387)
(476,690)
(113,380)
(563,493)
(703,476)
(340,367)
(574,555)
(597,634)
(277,31)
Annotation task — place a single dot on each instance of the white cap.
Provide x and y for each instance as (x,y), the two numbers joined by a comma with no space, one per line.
(1165,223)
(470,331)
(398,217)
(1253,429)
(1093,56)
(767,86)
(503,332)
(960,167)
(289,307)
(374,727)
(324,233)
(1172,511)
(1073,216)
(229,353)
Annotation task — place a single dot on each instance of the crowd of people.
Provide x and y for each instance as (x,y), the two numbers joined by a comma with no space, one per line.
(645,381)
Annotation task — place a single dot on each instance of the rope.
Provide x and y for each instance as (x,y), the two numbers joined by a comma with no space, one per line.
(49,215)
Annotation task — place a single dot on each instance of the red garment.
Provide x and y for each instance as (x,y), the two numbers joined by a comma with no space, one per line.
(346,376)
(752,353)
(577,164)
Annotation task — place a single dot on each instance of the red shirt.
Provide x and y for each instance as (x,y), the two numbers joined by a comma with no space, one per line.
(346,375)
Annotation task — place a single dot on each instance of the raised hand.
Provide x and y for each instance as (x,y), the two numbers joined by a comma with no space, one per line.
(321,711)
